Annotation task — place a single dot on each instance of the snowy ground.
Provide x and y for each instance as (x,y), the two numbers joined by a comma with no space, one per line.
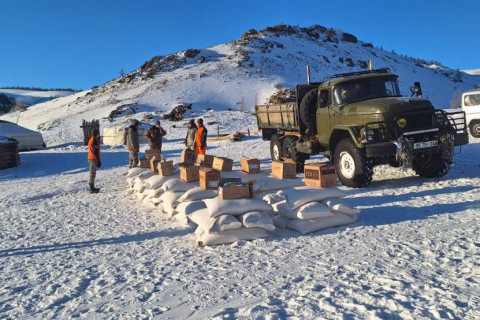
(414,252)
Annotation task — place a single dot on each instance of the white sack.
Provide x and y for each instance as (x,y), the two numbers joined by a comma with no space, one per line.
(271,198)
(299,196)
(227,222)
(257,219)
(138,186)
(130,182)
(133,172)
(178,185)
(168,201)
(342,206)
(280,222)
(153,193)
(145,175)
(156,181)
(214,225)
(187,208)
(272,183)
(230,236)
(313,210)
(198,194)
(312,225)
(217,206)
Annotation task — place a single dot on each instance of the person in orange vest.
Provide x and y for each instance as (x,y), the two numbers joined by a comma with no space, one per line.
(200,138)
(94,159)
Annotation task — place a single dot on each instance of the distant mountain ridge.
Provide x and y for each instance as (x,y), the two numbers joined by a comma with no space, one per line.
(238,75)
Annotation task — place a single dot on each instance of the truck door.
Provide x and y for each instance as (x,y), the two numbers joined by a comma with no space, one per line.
(323,116)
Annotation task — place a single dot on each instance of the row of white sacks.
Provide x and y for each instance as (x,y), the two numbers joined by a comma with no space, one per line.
(281,203)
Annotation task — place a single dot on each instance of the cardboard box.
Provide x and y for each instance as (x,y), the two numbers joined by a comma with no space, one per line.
(250,165)
(286,169)
(233,191)
(187,156)
(204,160)
(208,178)
(320,175)
(153,153)
(154,161)
(189,172)
(165,168)
(144,162)
(222,164)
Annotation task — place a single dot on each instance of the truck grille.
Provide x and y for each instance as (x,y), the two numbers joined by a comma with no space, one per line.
(417,121)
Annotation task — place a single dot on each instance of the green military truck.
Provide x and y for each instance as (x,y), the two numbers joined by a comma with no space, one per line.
(359,120)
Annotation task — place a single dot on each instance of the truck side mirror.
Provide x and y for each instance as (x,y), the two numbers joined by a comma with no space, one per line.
(416,89)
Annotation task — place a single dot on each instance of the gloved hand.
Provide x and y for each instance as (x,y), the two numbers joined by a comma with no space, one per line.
(99,163)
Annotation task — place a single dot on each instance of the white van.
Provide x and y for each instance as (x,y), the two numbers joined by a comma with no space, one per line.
(471,106)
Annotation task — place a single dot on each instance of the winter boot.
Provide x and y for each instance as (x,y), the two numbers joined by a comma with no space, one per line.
(93,189)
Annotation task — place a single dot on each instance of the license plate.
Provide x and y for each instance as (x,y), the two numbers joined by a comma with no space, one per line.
(425,144)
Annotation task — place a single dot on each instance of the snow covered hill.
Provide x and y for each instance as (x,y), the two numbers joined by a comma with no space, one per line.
(31,97)
(234,75)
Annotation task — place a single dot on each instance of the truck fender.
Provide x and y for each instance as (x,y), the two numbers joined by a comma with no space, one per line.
(342,132)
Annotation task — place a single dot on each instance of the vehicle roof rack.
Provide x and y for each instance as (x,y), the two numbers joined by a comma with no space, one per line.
(349,74)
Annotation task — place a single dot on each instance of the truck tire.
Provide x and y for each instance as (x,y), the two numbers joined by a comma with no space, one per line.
(307,109)
(430,164)
(289,151)
(475,128)
(276,148)
(353,167)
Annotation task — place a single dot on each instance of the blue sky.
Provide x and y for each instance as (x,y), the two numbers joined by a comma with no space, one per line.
(79,44)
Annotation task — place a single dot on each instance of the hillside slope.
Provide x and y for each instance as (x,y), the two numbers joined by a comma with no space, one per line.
(235,75)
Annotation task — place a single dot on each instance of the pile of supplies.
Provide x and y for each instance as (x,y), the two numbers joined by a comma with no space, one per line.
(225,206)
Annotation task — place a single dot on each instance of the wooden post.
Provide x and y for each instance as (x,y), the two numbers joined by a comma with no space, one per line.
(218,131)
(248,131)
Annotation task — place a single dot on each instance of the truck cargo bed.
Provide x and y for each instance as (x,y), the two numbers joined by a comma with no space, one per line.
(278,116)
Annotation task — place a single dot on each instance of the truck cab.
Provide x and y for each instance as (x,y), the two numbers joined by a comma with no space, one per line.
(471,107)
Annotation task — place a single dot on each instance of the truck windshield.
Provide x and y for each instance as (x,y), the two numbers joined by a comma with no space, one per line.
(472,100)
(349,92)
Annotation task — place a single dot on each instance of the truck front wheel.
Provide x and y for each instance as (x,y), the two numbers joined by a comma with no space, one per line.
(431,164)
(353,167)
(475,129)
(276,147)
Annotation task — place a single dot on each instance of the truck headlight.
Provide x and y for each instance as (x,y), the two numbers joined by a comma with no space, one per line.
(402,123)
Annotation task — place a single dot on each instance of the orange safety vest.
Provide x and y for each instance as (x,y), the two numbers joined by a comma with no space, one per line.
(200,135)
(93,148)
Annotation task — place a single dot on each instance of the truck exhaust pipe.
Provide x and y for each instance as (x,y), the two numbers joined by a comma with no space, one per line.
(308,74)
(369,65)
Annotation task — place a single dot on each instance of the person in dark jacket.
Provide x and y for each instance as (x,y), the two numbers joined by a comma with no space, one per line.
(154,136)
(191,132)
(94,159)
(200,138)
(131,140)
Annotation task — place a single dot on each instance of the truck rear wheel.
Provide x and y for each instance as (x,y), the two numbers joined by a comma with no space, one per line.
(353,167)
(430,164)
(289,151)
(276,148)
(475,129)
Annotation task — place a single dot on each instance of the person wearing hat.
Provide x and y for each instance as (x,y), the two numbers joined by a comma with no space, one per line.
(94,159)
(131,140)
(200,138)
(154,136)
(191,132)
